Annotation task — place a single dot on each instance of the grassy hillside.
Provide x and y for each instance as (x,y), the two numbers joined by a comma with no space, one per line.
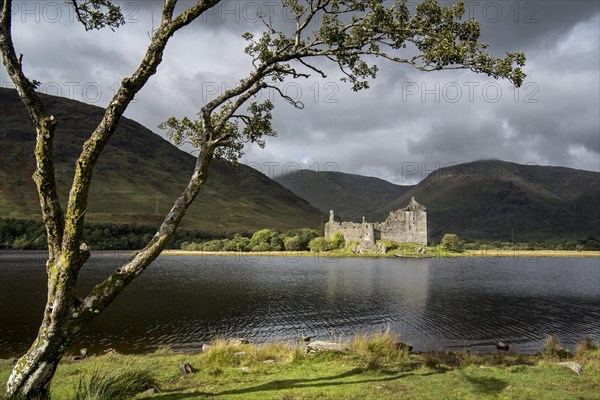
(502,200)
(492,200)
(351,196)
(137,168)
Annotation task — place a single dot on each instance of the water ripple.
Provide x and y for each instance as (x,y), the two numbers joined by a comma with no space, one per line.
(183,302)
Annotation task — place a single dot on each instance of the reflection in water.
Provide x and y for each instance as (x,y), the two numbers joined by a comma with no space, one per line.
(434,304)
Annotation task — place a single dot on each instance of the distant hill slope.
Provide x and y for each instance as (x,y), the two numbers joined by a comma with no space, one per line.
(493,200)
(137,168)
(351,196)
(502,200)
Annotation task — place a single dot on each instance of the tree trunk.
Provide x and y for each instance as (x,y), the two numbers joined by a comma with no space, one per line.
(32,375)
(65,315)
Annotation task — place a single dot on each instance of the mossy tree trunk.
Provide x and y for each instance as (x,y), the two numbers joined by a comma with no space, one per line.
(65,314)
(33,373)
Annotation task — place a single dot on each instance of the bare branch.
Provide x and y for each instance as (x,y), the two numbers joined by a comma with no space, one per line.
(300,26)
(318,71)
(296,103)
(168,9)
(287,70)
(236,105)
(104,293)
(211,106)
(78,13)
(45,125)
(268,24)
(92,148)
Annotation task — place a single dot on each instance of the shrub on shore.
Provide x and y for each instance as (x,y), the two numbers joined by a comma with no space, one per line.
(451,242)
(259,241)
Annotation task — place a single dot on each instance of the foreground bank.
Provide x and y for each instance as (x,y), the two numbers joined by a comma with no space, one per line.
(367,368)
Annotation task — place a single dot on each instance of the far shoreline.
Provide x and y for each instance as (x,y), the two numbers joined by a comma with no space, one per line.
(444,254)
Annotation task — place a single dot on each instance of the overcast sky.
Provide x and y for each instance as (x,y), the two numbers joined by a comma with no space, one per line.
(408,124)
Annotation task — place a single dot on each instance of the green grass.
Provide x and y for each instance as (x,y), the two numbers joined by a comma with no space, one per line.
(374,368)
(120,384)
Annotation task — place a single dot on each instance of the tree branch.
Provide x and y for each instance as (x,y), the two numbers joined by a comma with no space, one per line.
(92,148)
(44,175)
(309,66)
(297,104)
(168,9)
(91,15)
(104,293)
(236,105)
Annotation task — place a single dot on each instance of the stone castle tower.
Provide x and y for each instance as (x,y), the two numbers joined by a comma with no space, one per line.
(407,225)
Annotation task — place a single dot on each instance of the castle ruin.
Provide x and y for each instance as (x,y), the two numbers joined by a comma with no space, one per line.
(407,225)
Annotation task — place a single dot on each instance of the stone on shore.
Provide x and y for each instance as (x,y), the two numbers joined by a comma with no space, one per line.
(187,368)
(318,346)
(578,369)
(502,346)
(148,392)
(239,341)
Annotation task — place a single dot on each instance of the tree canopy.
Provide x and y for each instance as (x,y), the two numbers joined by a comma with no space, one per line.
(352,35)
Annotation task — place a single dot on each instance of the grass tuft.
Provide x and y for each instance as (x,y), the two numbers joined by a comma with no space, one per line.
(553,348)
(430,361)
(228,353)
(586,346)
(121,384)
(164,351)
(379,348)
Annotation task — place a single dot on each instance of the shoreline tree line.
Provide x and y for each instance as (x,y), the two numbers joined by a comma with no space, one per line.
(19,234)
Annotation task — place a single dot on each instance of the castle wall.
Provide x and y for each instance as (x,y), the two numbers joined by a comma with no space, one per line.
(404,226)
(352,231)
(407,225)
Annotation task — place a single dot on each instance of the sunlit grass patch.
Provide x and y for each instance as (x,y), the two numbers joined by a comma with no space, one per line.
(121,384)
(380,348)
(374,367)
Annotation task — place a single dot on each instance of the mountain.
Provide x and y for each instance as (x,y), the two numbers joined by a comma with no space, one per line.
(138,176)
(492,200)
(502,200)
(350,196)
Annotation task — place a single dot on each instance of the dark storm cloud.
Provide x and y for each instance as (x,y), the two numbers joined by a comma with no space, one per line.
(237,16)
(529,25)
(553,120)
(406,119)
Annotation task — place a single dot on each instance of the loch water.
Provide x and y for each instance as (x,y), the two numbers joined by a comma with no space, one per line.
(433,304)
